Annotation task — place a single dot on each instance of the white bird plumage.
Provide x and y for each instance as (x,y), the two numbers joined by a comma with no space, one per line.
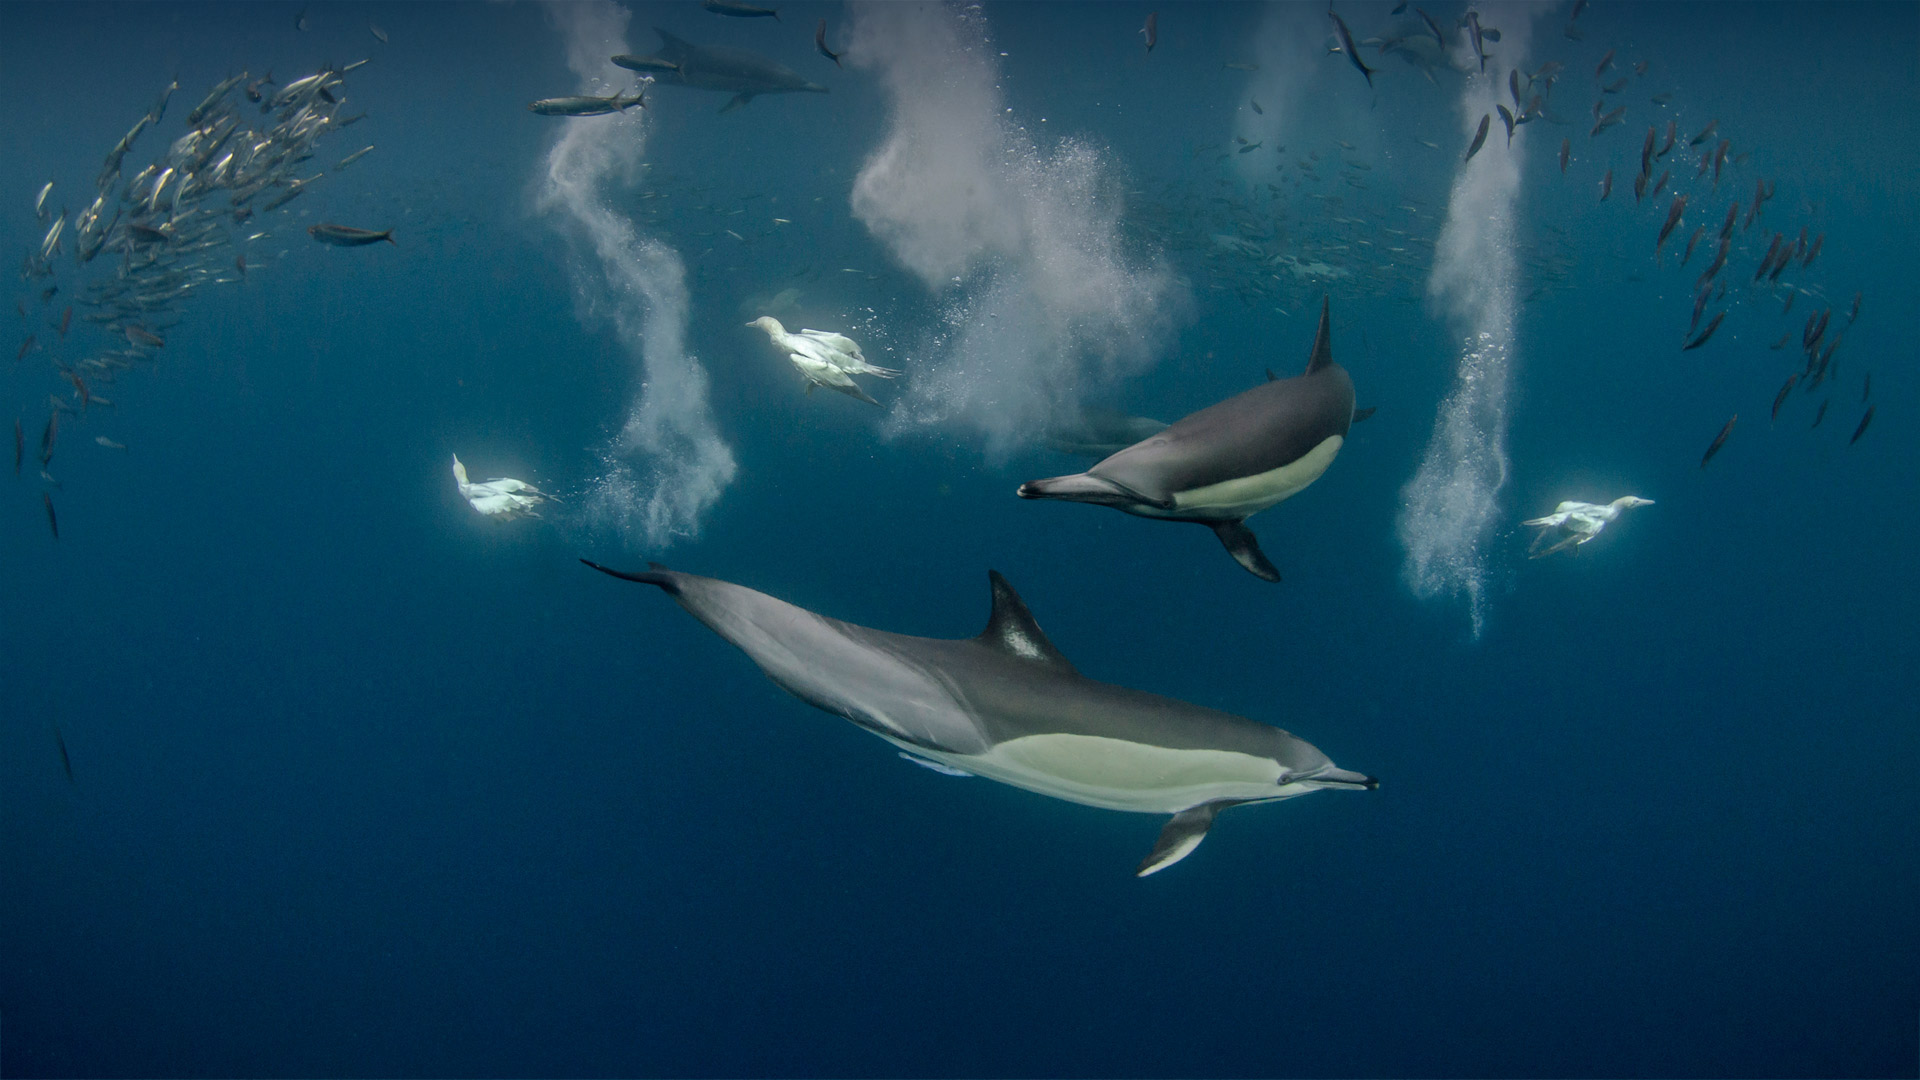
(826,359)
(502,498)
(1574,523)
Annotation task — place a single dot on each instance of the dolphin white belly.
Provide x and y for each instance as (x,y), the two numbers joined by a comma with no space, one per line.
(1244,496)
(1115,774)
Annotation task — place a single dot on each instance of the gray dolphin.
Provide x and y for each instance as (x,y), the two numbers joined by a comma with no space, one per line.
(715,67)
(1008,706)
(1229,461)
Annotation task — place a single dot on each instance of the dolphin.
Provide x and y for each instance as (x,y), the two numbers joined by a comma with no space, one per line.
(1229,461)
(715,67)
(1006,705)
(1099,432)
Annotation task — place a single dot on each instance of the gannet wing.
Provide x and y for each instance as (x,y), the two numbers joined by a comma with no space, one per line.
(838,342)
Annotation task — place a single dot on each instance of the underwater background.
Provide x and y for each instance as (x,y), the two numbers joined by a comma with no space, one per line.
(308,769)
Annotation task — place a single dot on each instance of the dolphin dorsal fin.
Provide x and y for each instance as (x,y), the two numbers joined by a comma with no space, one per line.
(1322,355)
(1011,629)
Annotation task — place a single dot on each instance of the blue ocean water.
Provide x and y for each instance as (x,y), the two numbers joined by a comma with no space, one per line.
(364,784)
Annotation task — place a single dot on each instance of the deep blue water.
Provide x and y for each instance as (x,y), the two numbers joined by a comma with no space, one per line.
(365,785)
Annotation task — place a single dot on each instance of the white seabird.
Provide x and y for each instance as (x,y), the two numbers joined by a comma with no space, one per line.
(1574,523)
(826,359)
(503,498)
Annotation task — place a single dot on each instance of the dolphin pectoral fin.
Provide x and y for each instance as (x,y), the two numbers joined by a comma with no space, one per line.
(1245,548)
(940,767)
(1362,414)
(735,102)
(1088,488)
(1183,833)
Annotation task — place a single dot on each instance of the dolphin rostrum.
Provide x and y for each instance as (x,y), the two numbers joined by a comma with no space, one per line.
(744,74)
(1229,461)
(1008,706)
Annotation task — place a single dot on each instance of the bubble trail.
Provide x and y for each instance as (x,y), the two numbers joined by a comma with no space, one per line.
(1043,305)
(1450,507)
(668,465)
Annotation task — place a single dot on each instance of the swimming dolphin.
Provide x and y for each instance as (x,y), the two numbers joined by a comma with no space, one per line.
(1229,461)
(1098,433)
(715,67)
(1008,706)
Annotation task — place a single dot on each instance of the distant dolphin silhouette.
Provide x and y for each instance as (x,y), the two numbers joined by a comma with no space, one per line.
(1097,432)
(744,74)
(1008,706)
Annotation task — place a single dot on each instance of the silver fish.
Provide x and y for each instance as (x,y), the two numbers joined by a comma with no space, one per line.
(586,106)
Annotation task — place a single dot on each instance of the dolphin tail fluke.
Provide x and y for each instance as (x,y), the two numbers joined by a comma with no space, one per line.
(1245,548)
(1088,488)
(658,575)
(1183,833)
(1322,355)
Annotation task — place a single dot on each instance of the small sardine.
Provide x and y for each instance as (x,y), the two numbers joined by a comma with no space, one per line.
(1780,398)
(1479,137)
(1862,429)
(586,106)
(1353,54)
(1719,441)
(1674,212)
(739,11)
(348,236)
(820,43)
(1705,335)
(1813,251)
